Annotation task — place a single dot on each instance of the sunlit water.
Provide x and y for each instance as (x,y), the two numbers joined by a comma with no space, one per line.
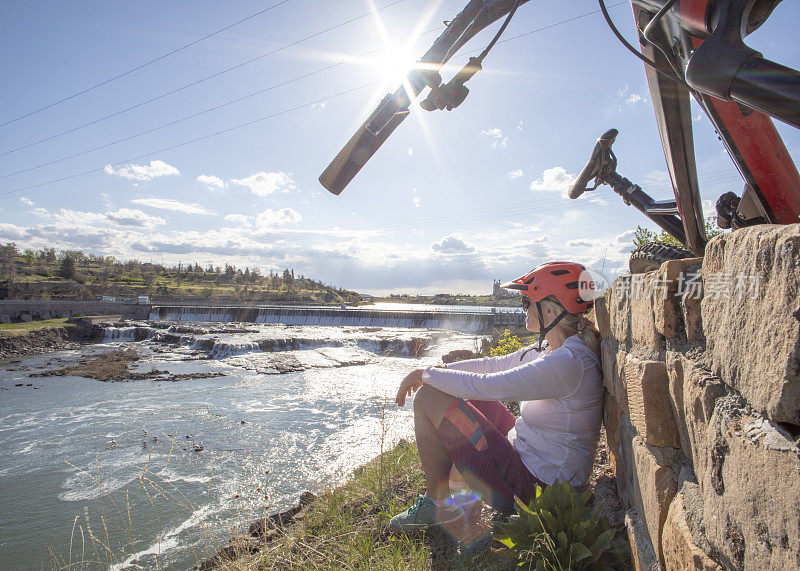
(83,480)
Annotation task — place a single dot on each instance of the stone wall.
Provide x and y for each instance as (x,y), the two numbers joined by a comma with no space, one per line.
(35,310)
(701,364)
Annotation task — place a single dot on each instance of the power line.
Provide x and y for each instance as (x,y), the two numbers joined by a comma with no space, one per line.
(183,144)
(256,120)
(197,114)
(138,67)
(199,81)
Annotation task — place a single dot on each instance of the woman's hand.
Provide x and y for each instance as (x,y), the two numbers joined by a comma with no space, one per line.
(410,384)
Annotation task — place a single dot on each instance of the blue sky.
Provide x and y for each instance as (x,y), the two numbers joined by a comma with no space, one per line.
(452,201)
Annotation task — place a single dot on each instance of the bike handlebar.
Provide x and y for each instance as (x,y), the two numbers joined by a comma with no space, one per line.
(598,164)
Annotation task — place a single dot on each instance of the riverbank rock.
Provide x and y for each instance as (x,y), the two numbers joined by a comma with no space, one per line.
(114,366)
(27,343)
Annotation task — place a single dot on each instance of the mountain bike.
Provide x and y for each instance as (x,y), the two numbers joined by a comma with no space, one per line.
(690,48)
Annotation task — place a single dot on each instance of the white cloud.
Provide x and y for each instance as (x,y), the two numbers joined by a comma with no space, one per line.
(410,151)
(497,137)
(170,204)
(11,231)
(237,219)
(265,183)
(26,201)
(415,201)
(580,243)
(270,218)
(626,237)
(210,181)
(134,218)
(556,179)
(635,98)
(515,174)
(452,244)
(155,169)
(521,125)
(623,91)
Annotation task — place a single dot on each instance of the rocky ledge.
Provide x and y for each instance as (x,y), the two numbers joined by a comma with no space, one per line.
(25,343)
(114,366)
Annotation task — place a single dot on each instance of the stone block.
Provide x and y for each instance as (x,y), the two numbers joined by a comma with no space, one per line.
(666,291)
(647,385)
(611,419)
(677,543)
(691,297)
(643,556)
(5,319)
(648,483)
(643,292)
(602,318)
(693,393)
(619,310)
(613,360)
(26,317)
(751,285)
(750,489)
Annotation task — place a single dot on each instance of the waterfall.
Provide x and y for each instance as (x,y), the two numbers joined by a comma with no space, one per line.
(466,322)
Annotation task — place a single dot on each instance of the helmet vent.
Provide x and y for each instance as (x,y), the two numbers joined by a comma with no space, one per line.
(559,272)
(572,285)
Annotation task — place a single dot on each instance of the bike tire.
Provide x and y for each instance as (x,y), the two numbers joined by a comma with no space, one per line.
(649,257)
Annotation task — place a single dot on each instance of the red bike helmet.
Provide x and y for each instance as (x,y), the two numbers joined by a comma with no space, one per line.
(562,280)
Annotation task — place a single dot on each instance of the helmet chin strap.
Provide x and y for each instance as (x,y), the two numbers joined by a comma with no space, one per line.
(545,330)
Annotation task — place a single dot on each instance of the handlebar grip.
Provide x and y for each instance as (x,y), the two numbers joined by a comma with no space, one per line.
(595,165)
(579,186)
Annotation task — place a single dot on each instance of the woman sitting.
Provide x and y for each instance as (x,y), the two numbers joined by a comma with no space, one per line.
(459,421)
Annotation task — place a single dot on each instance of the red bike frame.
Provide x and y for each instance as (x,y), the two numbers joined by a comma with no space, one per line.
(693,48)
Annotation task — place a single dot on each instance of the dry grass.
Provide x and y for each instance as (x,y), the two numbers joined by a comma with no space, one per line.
(13,329)
(347,528)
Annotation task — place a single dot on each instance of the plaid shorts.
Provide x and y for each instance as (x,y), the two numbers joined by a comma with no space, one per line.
(474,434)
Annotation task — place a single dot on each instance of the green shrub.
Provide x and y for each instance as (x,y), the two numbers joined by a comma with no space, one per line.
(508,343)
(559,530)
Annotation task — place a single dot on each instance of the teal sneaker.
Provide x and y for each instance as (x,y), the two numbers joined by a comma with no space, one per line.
(423,515)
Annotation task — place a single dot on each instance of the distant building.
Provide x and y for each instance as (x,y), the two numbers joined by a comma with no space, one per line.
(501,293)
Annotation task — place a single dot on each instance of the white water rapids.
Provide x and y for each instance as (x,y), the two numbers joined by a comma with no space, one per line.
(152,474)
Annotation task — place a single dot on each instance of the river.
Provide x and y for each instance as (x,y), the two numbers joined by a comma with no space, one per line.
(153,474)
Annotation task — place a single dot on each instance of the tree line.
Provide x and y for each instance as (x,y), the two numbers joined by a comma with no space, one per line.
(75,274)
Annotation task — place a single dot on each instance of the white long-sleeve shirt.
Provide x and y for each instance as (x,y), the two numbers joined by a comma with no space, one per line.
(561,408)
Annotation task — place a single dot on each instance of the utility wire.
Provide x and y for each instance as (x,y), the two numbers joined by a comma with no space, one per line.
(138,67)
(199,81)
(203,112)
(183,144)
(263,118)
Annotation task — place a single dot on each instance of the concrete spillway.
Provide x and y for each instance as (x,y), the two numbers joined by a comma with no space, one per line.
(464,321)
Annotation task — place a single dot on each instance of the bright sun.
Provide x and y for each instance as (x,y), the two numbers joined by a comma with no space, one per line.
(395,64)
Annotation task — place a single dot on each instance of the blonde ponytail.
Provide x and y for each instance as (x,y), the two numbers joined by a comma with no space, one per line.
(570,322)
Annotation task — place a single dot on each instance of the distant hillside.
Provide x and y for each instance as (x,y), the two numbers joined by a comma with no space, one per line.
(71,274)
(453,299)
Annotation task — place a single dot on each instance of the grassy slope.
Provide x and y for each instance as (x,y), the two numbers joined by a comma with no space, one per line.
(12,329)
(348,527)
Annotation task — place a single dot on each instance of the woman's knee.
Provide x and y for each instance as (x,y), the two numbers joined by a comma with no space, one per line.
(432,403)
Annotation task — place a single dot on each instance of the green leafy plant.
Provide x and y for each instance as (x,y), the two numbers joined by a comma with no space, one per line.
(508,343)
(644,235)
(559,530)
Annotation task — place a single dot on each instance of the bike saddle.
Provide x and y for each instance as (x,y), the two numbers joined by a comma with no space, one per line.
(602,162)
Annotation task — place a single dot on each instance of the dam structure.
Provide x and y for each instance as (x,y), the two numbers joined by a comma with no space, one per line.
(476,321)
